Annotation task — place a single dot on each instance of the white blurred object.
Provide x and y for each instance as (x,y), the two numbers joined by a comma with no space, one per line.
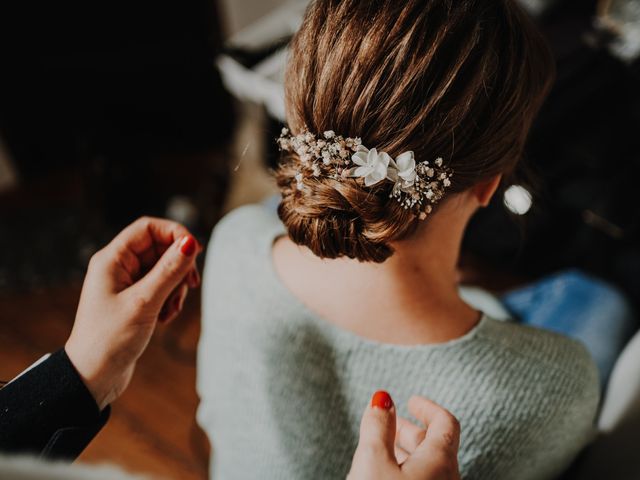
(622,19)
(32,468)
(182,210)
(622,400)
(614,454)
(517,199)
(8,176)
(282,20)
(263,83)
(239,14)
(537,7)
(484,301)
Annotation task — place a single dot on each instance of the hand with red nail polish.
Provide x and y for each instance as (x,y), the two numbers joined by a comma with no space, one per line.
(188,246)
(141,277)
(429,453)
(382,399)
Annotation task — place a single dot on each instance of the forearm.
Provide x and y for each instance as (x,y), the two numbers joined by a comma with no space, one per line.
(49,411)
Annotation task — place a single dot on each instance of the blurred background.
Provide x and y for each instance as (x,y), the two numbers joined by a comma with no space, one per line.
(112,110)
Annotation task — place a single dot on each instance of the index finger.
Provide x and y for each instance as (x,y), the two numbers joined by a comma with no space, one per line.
(443,428)
(408,435)
(143,242)
(147,232)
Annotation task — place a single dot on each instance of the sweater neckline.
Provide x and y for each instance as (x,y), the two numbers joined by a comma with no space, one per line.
(298,307)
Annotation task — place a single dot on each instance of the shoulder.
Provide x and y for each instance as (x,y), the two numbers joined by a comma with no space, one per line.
(539,396)
(247,227)
(240,243)
(560,363)
(249,219)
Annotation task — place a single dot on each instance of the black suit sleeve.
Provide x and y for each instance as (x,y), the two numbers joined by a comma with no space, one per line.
(48,411)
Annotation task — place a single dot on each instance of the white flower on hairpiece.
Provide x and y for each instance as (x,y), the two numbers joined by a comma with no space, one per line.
(403,171)
(372,166)
(416,186)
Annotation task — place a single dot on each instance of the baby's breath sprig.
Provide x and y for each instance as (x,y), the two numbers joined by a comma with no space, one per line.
(418,187)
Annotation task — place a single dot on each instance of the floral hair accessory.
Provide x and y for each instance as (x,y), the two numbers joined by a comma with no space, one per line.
(416,186)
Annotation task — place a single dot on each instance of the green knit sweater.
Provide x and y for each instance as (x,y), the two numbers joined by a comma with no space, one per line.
(282,391)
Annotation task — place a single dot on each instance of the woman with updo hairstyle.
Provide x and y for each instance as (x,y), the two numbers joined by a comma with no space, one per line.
(459,81)
(404,117)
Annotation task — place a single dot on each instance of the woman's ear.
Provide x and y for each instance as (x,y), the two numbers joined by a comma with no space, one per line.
(484,191)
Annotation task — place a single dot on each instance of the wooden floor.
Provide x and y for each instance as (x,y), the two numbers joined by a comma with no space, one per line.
(152,428)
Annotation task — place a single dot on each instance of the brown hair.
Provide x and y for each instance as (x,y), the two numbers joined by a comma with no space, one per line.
(461,79)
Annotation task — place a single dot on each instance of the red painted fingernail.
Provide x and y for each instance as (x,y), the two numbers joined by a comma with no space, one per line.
(382,399)
(188,246)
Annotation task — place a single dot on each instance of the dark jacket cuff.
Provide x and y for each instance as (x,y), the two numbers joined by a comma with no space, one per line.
(49,411)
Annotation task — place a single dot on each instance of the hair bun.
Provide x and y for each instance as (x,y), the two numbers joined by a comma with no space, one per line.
(460,80)
(338,218)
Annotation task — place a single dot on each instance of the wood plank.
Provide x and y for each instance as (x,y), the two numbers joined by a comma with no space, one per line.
(152,428)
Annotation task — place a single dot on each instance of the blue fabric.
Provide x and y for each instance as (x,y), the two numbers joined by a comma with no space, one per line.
(581,307)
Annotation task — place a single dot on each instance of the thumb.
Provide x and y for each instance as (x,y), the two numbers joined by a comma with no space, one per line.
(169,271)
(378,429)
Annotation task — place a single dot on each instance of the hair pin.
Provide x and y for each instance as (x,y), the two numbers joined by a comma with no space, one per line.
(417,186)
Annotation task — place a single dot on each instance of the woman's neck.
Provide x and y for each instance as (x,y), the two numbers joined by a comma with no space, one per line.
(411,298)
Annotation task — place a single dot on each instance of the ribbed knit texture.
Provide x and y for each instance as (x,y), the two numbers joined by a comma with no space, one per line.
(282,391)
